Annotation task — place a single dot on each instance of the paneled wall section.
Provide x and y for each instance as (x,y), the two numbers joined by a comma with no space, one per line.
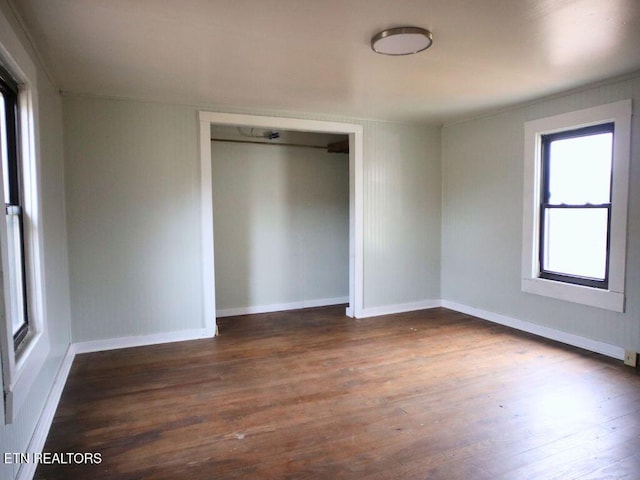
(482,220)
(133,215)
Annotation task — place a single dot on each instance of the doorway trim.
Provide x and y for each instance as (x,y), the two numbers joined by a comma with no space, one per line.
(356,210)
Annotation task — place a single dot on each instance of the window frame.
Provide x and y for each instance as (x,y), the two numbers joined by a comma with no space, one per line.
(546,205)
(611,296)
(21,367)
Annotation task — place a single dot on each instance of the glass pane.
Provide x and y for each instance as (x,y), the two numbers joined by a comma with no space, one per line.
(580,170)
(3,148)
(15,272)
(576,242)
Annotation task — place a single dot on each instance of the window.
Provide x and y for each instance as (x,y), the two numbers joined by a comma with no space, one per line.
(24,343)
(575,215)
(575,205)
(12,178)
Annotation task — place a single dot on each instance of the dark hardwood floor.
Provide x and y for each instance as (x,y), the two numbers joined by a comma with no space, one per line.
(311,394)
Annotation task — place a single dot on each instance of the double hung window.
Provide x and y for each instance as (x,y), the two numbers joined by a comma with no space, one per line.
(576,180)
(12,183)
(24,344)
(575,207)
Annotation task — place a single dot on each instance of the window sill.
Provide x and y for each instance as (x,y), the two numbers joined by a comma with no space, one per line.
(593,297)
(28,366)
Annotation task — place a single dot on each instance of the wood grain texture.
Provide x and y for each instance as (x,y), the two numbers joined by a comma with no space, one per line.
(311,394)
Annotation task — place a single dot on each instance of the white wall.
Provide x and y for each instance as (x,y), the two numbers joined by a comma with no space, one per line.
(16,437)
(402,214)
(133,218)
(482,220)
(133,215)
(281,225)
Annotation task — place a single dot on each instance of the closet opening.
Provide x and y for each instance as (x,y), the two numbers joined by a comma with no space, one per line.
(281,214)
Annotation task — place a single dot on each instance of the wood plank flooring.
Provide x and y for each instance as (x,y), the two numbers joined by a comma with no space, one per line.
(311,394)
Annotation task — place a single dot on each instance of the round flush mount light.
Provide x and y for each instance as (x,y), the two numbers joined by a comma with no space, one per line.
(401,41)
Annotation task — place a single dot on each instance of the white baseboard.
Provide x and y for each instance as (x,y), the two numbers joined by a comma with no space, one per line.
(142,340)
(281,307)
(400,308)
(547,332)
(36,444)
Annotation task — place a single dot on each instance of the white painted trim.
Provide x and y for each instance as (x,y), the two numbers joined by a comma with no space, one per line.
(613,297)
(206,220)
(593,297)
(142,340)
(542,331)
(620,194)
(281,307)
(400,308)
(356,223)
(36,444)
(285,123)
(356,195)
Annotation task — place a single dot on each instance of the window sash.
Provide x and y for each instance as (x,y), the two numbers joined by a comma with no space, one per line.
(550,274)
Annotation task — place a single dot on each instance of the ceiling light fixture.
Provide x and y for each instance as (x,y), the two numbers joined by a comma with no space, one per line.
(401,41)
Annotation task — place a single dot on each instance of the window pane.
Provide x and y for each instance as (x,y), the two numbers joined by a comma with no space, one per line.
(580,170)
(15,271)
(576,242)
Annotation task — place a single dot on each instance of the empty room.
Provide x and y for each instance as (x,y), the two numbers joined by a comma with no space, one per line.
(290,239)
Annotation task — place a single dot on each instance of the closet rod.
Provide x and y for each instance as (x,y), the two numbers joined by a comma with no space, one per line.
(281,144)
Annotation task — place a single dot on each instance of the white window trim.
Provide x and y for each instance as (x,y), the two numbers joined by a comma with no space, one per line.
(20,369)
(613,297)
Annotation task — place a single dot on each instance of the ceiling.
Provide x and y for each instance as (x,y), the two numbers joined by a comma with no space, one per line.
(315,55)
